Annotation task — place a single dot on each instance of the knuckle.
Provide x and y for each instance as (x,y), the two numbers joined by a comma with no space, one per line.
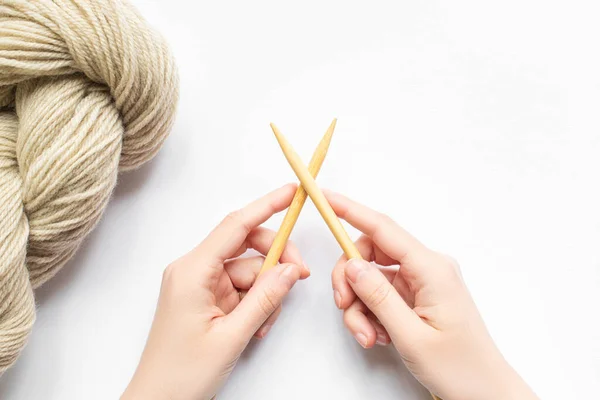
(347,317)
(267,301)
(236,218)
(338,271)
(173,278)
(351,315)
(379,295)
(290,249)
(363,239)
(449,267)
(386,219)
(452,262)
(170,272)
(338,278)
(333,279)
(258,262)
(382,226)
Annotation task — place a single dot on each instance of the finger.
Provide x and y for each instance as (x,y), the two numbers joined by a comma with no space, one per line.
(358,324)
(262,332)
(342,292)
(380,297)
(380,257)
(243,271)
(389,274)
(392,276)
(231,233)
(397,280)
(364,326)
(261,239)
(403,289)
(383,337)
(263,299)
(386,234)
(343,295)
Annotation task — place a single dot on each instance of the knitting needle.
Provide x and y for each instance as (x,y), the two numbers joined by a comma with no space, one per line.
(316,196)
(319,200)
(297,203)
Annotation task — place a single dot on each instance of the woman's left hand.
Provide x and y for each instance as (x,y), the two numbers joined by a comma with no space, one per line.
(202,324)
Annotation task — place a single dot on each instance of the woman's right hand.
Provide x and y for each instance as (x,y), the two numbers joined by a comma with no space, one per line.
(422,306)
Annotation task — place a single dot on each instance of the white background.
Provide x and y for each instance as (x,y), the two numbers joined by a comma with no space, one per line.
(474,124)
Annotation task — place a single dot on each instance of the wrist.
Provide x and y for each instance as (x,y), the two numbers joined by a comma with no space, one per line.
(514,387)
(140,388)
(158,385)
(493,378)
(508,384)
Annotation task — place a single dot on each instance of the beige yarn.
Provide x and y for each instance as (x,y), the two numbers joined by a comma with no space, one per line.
(86,89)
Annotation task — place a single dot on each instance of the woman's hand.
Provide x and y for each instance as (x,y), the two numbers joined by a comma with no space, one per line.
(422,306)
(201,324)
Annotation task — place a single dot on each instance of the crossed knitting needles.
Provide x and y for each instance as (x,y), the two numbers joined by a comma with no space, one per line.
(308,187)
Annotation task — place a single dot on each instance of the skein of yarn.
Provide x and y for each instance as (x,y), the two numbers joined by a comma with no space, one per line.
(87,89)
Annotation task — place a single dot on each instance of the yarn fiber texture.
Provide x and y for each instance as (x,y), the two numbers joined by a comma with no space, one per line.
(87,89)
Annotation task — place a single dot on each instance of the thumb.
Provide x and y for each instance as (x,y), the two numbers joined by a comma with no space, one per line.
(378,294)
(264,298)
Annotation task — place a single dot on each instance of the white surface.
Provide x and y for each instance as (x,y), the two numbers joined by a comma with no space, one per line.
(474,124)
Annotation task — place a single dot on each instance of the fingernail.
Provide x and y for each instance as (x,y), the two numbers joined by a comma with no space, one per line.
(338,299)
(306,267)
(381,339)
(361,339)
(288,271)
(264,330)
(355,268)
(287,275)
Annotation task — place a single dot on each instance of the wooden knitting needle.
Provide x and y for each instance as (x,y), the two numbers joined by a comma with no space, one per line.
(316,196)
(319,200)
(298,201)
